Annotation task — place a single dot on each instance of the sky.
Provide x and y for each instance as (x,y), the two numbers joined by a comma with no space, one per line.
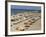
(26,7)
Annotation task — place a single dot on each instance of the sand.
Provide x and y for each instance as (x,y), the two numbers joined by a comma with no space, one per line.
(20,26)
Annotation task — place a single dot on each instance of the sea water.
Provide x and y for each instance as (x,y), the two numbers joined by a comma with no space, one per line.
(15,11)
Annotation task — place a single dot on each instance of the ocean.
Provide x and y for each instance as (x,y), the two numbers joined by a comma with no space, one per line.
(15,11)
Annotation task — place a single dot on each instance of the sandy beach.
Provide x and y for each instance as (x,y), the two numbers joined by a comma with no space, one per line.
(31,22)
